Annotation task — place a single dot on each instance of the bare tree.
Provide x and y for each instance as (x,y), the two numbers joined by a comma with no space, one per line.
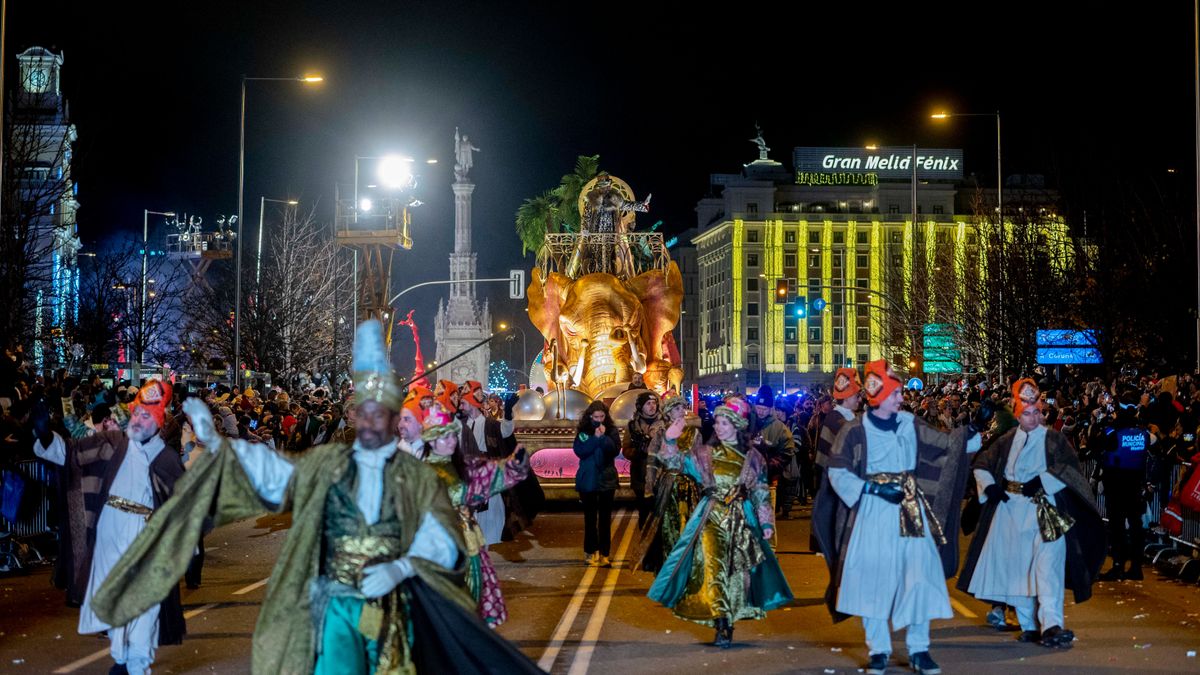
(296,318)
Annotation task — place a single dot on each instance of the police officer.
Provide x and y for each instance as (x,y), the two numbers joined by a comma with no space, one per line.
(1124,449)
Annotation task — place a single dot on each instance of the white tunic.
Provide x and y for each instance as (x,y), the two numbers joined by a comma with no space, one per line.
(116,529)
(1014,561)
(886,575)
(491,521)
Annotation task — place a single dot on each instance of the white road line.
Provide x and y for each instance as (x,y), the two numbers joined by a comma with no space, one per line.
(962,609)
(568,618)
(247,589)
(587,644)
(92,658)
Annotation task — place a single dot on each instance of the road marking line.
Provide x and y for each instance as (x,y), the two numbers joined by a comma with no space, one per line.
(92,658)
(591,634)
(962,609)
(568,618)
(257,584)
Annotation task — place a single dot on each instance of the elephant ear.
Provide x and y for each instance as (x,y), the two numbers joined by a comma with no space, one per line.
(661,293)
(546,297)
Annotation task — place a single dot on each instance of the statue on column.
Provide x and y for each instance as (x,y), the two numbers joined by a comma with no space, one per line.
(462,155)
(761,143)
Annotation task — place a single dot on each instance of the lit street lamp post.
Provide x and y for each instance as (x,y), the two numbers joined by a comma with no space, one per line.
(999,216)
(524,350)
(262,206)
(137,367)
(237,265)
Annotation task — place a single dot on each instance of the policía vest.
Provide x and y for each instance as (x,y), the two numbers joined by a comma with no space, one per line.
(1132,446)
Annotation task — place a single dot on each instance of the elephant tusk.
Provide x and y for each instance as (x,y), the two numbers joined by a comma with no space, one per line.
(636,361)
(578,375)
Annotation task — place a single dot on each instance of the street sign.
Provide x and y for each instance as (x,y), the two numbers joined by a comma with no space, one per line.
(818,305)
(516,284)
(1067,347)
(915,384)
(942,367)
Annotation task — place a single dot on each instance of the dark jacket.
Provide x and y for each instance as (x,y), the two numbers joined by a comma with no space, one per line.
(597,454)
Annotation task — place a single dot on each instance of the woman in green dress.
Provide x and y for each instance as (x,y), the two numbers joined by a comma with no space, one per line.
(722,569)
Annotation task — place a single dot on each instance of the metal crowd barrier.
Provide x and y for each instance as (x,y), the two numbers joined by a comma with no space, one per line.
(1190,535)
(36,518)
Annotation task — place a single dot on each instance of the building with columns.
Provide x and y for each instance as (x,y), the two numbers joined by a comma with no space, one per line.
(43,206)
(881,246)
(463,321)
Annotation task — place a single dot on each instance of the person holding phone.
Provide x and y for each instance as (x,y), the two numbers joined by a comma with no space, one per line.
(597,442)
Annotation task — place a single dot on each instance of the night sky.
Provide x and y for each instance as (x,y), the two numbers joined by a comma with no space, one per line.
(664,96)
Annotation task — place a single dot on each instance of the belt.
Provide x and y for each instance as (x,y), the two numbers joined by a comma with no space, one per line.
(911,522)
(129,506)
(1014,487)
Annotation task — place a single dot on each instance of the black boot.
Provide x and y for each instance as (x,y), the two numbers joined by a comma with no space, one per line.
(1115,573)
(924,664)
(118,669)
(724,633)
(1055,636)
(877,665)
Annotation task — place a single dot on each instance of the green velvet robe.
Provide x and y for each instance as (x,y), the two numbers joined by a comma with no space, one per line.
(284,640)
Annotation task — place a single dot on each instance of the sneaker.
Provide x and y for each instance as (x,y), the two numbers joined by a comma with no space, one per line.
(603,561)
(923,663)
(877,665)
(592,559)
(1055,636)
(995,618)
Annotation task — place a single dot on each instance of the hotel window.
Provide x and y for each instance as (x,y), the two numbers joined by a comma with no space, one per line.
(837,334)
(893,208)
(752,309)
(815,358)
(839,237)
(752,285)
(752,359)
(752,236)
(814,334)
(789,237)
(751,207)
(861,237)
(862,357)
(863,334)
(752,333)
(752,260)
(789,334)
(861,260)
(814,237)
(814,260)
(937,208)
(861,310)
(790,359)
(789,260)
(896,261)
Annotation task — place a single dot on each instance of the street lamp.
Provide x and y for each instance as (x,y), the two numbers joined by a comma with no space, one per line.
(999,214)
(262,205)
(237,266)
(524,351)
(137,368)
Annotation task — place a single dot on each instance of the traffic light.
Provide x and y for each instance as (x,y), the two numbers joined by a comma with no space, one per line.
(800,308)
(781,291)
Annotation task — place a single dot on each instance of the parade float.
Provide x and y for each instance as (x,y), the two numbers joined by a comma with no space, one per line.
(605,298)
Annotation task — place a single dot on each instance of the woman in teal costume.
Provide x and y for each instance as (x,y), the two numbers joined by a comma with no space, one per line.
(722,568)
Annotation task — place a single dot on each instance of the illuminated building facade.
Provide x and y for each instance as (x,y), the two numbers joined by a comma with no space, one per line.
(40,146)
(838,229)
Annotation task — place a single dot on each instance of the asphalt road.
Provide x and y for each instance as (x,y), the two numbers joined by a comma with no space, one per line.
(574,619)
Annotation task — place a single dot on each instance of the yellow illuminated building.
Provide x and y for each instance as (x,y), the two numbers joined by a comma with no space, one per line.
(855,246)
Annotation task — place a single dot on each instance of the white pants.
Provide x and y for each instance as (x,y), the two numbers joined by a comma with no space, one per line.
(1048,610)
(879,636)
(133,644)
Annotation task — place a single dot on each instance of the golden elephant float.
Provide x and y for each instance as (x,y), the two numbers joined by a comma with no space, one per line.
(600,329)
